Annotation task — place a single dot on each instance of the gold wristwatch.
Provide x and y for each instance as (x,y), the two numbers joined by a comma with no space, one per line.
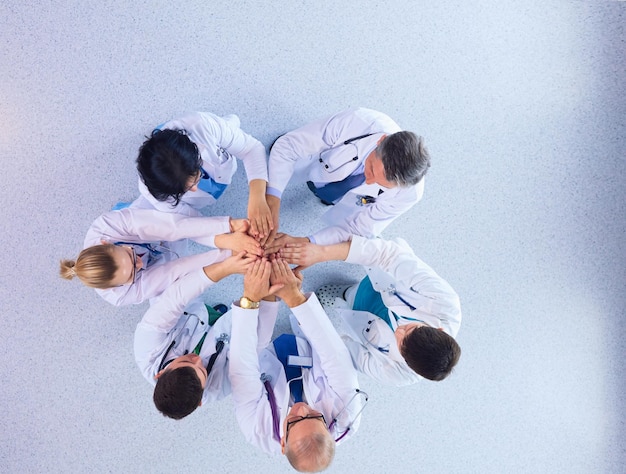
(247,303)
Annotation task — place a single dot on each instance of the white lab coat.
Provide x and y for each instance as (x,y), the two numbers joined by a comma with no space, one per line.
(328,386)
(178,315)
(393,264)
(164,230)
(316,153)
(219,141)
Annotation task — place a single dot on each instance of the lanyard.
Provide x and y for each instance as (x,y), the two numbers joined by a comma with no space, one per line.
(198,347)
(392,290)
(149,247)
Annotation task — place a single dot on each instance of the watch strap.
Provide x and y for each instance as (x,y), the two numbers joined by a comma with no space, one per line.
(247,303)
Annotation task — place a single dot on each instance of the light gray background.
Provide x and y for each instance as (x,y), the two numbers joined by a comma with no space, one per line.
(522,106)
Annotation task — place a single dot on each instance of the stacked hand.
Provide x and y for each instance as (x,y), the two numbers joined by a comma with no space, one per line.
(281,241)
(239,225)
(238,263)
(238,239)
(265,278)
(273,204)
(261,223)
(303,254)
(256,281)
(288,281)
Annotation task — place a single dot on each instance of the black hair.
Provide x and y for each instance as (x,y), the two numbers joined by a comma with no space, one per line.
(430,352)
(178,392)
(167,160)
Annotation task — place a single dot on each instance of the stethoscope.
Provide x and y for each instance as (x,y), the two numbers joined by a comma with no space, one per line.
(177,338)
(392,291)
(333,423)
(326,164)
(365,333)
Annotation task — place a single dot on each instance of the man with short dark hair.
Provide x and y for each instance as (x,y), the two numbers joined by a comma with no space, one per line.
(180,349)
(180,386)
(401,319)
(359,161)
(299,395)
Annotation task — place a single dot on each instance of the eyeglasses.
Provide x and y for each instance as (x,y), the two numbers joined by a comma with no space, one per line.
(134,263)
(300,418)
(201,175)
(196,180)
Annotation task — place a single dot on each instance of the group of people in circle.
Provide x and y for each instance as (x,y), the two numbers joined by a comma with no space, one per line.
(297,394)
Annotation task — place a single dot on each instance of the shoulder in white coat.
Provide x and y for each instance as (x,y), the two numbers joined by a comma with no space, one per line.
(393,267)
(374,350)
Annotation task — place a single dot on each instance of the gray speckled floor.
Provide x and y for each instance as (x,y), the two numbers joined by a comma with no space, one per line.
(523,108)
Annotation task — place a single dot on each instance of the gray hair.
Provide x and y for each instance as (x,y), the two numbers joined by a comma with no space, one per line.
(405,158)
(313,453)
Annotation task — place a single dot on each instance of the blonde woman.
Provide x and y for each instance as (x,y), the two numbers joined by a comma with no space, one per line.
(131,255)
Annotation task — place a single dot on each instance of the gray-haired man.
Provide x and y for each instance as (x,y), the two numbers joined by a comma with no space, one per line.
(359,161)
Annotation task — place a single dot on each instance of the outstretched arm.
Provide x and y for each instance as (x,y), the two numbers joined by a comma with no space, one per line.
(273,203)
(238,239)
(156,279)
(167,309)
(371,220)
(281,240)
(289,283)
(148,225)
(305,254)
(259,212)
(336,364)
(252,409)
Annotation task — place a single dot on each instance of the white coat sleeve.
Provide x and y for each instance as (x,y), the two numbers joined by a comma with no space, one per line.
(397,259)
(154,280)
(252,408)
(146,225)
(372,219)
(334,357)
(163,315)
(379,367)
(209,128)
(268,312)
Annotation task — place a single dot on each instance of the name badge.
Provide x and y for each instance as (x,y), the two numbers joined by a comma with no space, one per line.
(300,361)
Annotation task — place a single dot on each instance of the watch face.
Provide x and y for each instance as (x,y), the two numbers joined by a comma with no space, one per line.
(246,303)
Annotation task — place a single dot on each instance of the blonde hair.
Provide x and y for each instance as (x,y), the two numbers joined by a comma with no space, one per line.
(95,267)
(312,453)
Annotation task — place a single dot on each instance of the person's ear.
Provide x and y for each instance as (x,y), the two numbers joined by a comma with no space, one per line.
(200,404)
(282,445)
(156,377)
(380,140)
(105,242)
